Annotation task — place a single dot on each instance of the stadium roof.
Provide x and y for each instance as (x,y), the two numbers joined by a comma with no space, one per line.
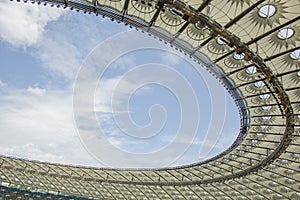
(253,48)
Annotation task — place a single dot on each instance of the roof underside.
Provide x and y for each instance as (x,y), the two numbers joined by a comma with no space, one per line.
(253,47)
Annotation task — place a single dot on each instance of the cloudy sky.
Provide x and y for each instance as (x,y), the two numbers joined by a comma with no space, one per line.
(80,89)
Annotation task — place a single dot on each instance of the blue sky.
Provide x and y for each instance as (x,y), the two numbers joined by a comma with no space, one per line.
(152,104)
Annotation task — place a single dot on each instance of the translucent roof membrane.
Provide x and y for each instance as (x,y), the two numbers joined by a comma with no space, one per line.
(263,163)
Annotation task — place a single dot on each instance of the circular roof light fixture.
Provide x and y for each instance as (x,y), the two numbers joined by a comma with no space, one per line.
(266,107)
(264,96)
(275,175)
(266,117)
(267,11)
(264,126)
(259,84)
(199,25)
(238,56)
(285,33)
(251,70)
(290,181)
(220,41)
(296,155)
(173,12)
(253,141)
(295,55)
(259,135)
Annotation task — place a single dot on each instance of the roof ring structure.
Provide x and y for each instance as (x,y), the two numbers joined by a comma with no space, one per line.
(262,163)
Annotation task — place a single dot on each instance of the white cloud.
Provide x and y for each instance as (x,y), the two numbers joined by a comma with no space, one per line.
(59,56)
(40,127)
(107,92)
(36,91)
(23,24)
(32,152)
(67,41)
(2,84)
(170,58)
(59,46)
